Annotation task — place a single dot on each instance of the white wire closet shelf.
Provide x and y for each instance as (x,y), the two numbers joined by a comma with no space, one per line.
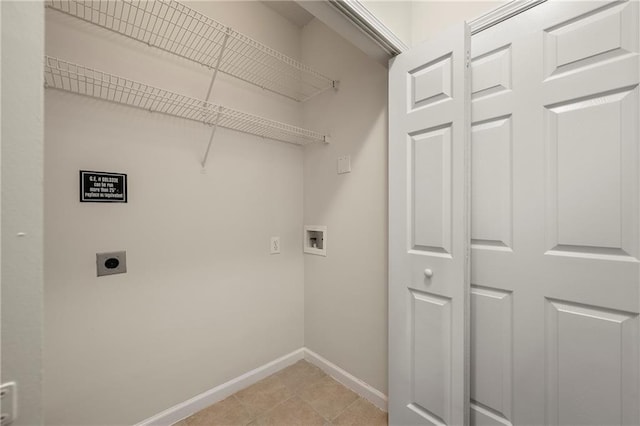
(70,77)
(173,27)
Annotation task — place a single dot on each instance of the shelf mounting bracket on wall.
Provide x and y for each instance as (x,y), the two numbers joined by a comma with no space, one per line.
(213,79)
(217,67)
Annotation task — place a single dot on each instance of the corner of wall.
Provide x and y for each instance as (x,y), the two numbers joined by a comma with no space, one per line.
(346,291)
(22,50)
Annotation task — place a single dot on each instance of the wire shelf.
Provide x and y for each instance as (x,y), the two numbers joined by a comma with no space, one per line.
(70,77)
(180,30)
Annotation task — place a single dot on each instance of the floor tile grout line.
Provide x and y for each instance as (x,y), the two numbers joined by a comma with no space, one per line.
(346,408)
(274,407)
(244,407)
(330,420)
(282,403)
(257,416)
(298,393)
(309,384)
(310,378)
(314,410)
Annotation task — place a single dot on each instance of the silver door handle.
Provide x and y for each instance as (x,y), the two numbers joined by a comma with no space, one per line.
(428,273)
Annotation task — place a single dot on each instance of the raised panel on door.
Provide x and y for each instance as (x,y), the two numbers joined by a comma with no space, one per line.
(591,353)
(572,272)
(430,83)
(491,72)
(431,357)
(430,174)
(491,356)
(428,233)
(592,37)
(590,196)
(491,199)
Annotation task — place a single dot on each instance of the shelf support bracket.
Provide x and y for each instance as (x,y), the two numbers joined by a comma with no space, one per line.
(213,133)
(215,70)
(213,79)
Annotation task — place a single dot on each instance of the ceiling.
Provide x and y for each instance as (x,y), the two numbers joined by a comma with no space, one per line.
(291,11)
(348,18)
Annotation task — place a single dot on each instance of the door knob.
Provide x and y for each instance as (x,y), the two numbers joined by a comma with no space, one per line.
(428,273)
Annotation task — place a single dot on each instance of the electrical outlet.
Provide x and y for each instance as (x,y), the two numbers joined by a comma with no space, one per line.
(111,263)
(344,164)
(275,245)
(8,403)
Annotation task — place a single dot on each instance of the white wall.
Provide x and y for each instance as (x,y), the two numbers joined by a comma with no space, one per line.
(346,292)
(22,152)
(202,301)
(416,21)
(395,15)
(431,17)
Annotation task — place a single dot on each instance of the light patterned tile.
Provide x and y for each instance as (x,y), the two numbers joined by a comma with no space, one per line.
(327,397)
(361,413)
(300,374)
(293,412)
(264,395)
(228,412)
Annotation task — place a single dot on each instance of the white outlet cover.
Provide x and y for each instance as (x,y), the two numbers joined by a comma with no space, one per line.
(9,397)
(275,245)
(344,164)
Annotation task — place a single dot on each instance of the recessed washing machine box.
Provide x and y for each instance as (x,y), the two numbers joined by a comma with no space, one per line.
(111,263)
(315,239)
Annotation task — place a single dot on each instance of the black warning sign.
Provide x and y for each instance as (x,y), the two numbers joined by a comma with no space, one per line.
(103,187)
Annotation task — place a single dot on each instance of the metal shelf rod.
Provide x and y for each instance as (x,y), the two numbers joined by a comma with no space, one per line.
(213,133)
(215,71)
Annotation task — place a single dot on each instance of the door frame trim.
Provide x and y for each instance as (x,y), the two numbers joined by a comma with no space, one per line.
(501,13)
(369,24)
(353,21)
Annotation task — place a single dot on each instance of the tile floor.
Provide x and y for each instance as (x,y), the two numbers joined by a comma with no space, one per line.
(301,394)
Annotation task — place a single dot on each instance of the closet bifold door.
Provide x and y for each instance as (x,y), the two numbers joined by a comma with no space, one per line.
(429,174)
(555,253)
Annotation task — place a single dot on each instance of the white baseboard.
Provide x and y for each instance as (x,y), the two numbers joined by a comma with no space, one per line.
(199,402)
(185,409)
(363,389)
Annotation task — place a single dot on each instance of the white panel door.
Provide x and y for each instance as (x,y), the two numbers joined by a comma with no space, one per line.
(428,233)
(555,217)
